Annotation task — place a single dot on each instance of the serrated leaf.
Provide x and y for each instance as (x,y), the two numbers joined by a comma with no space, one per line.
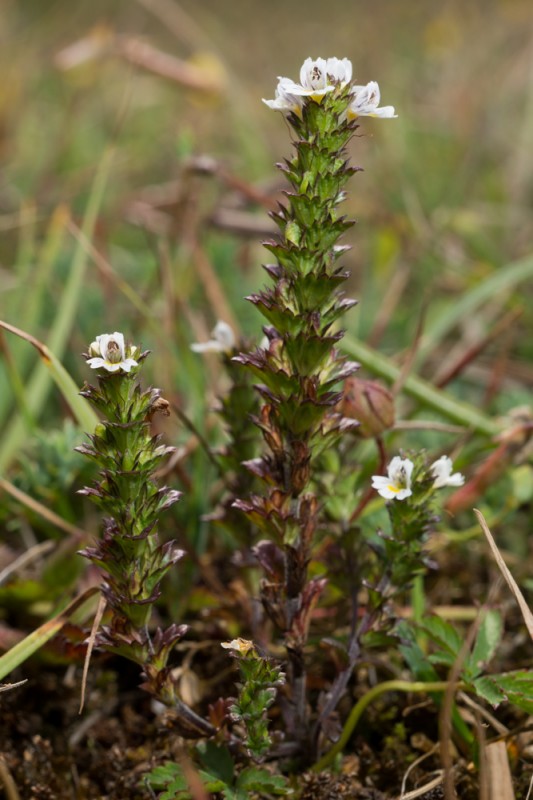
(233,794)
(518,687)
(523,701)
(161,776)
(446,659)
(170,777)
(487,640)
(260,780)
(211,782)
(443,634)
(175,791)
(486,688)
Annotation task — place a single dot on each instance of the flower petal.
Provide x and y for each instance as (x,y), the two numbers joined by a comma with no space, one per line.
(96,363)
(208,347)
(127,364)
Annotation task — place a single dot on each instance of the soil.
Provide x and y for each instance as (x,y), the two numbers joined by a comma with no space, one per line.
(51,752)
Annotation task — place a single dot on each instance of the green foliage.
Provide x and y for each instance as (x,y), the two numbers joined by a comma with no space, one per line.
(49,467)
(514,687)
(218,775)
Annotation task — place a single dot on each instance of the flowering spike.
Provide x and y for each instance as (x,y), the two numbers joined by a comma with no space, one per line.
(129,553)
(299,369)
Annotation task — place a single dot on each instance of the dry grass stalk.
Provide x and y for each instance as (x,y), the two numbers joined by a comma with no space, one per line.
(520,599)
(499,780)
(7,782)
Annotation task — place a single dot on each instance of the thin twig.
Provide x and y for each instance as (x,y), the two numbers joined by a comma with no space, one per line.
(165,65)
(7,687)
(189,424)
(484,788)
(423,791)
(448,373)
(427,425)
(490,718)
(7,782)
(42,510)
(102,602)
(520,599)
(412,766)
(26,558)
(445,717)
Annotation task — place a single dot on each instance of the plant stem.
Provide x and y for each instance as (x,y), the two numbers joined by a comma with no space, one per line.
(360,707)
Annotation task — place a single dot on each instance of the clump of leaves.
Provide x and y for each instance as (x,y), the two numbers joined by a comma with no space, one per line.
(217,774)
(448,643)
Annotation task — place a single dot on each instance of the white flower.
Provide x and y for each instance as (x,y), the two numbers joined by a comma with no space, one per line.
(284,100)
(317,78)
(222,340)
(441,469)
(109,352)
(241,646)
(398,482)
(366,101)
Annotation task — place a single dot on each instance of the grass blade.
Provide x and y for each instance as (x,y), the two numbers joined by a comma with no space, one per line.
(453,410)
(30,644)
(38,385)
(503,280)
(79,406)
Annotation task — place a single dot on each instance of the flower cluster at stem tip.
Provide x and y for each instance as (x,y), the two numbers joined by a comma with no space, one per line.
(397,483)
(240,646)
(320,76)
(109,352)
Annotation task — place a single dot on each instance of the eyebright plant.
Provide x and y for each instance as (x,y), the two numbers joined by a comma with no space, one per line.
(411,489)
(235,408)
(300,368)
(132,559)
(257,691)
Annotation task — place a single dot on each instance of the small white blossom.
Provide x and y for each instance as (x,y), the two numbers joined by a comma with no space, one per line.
(366,101)
(441,470)
(284,100)
(241,646)
(320,76)
(222,340)
(109,352)
(397,484)
(317,78)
